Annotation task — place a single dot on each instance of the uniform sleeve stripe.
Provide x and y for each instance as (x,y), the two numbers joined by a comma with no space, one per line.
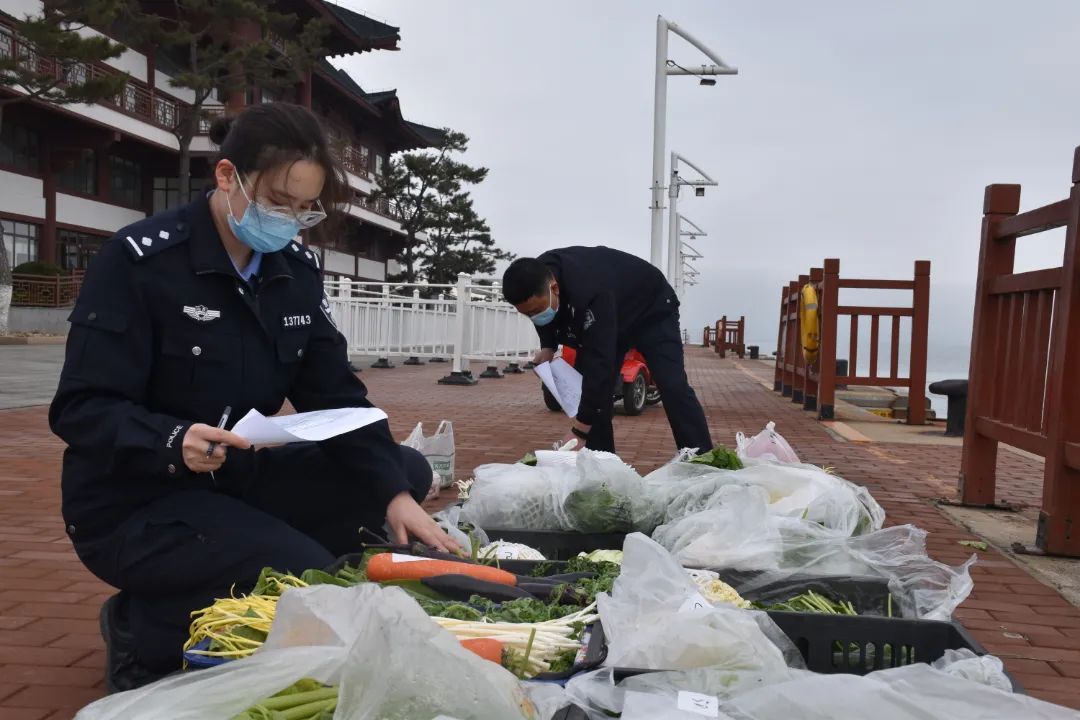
(138,250)
(315,257)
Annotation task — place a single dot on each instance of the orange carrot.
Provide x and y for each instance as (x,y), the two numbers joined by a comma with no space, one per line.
(487,648)
(384,567)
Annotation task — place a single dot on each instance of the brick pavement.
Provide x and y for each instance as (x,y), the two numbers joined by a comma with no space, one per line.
(51,657)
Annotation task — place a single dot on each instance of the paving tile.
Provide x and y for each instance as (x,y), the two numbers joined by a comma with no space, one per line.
(46,594)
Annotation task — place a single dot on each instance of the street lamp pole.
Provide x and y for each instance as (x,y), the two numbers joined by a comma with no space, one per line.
(695,232)
(665,67)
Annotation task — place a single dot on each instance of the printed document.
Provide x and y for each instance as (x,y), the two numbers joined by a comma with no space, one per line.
(304,427)
(564,382)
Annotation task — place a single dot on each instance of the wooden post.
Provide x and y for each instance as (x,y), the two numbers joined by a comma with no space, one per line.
(742,337)
(1058,532)
(798,393)
(828,302)
(791,346)
(778,375)
(920,328)
(978,462)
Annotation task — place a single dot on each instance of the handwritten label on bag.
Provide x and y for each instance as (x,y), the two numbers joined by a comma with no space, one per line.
(396,557)
(704,705)
(696,601)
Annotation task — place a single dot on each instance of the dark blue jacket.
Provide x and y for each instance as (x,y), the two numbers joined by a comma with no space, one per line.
(165,334)
(606,297)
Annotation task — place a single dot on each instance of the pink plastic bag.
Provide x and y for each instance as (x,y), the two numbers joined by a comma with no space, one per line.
(766,445)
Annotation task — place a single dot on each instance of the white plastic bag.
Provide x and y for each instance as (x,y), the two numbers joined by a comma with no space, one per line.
(389,660)
(767,445)
(449,519)
(438,449)
(912,692)
(655,618)
(594,494)
(985,669)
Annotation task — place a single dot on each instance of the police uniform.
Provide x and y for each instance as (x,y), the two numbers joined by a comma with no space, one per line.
(166,333)
(609,303)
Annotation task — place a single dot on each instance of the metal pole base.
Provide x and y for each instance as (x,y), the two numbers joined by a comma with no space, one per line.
(492,373)
(382,364)
(810,403)
(436,360)
(458,378)
(999,506)
(513,369)
(796,396)
(412,361)
(786,390)
(530,365)
(827,412)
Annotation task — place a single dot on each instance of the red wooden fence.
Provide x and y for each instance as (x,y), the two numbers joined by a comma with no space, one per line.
(730,335)
(1025,353)
(815,386)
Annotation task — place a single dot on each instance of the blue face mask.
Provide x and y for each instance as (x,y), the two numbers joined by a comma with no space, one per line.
(541,319)
(261,229)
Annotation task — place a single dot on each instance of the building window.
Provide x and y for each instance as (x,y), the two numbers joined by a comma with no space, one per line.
(20,241)
(167,192)
(74,249)
(379,164)
(19,148)
(125,181)
(81,174)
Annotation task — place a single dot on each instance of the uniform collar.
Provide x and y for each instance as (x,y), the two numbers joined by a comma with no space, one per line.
(208,254)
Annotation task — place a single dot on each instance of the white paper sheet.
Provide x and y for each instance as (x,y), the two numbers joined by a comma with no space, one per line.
(304,427)
(564,382)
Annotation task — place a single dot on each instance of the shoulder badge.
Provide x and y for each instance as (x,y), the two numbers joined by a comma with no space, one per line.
(154,234)
(307,256)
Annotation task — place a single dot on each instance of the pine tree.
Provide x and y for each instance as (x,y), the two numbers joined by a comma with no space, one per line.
(431,191)
(50,58)
(201,33)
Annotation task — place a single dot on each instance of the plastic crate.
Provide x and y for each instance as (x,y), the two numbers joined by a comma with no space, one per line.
(869,595)
(849,644)
(557,544)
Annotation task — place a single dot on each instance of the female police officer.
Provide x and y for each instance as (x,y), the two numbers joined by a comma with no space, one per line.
(212,305)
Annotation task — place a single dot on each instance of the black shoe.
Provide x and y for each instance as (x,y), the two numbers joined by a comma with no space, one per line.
(122,668)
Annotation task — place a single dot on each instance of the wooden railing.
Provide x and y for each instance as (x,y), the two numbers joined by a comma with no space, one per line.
(356,159)
(53,291)
(136,98)
(814,385)
(1025,352)
(708,339)
(730,335)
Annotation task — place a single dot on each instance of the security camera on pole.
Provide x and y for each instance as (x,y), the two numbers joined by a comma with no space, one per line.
(674,238)
(665,67)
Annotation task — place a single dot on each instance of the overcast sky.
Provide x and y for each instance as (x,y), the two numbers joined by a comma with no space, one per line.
(859,130)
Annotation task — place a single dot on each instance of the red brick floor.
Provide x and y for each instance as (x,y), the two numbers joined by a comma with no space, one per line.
(51,657)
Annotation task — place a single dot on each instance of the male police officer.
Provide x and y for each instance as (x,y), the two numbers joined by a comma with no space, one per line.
(605,302)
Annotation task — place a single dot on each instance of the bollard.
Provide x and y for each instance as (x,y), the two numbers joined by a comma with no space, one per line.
(754,351)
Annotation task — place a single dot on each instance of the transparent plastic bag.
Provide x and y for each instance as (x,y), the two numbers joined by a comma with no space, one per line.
(518,496)
(655,618)
(463,533)
(592,495)
(984,669)
(740,536)
(767,445)
(912,692)
(389,660)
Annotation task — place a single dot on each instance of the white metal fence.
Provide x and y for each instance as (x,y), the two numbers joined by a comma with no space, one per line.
(466,321)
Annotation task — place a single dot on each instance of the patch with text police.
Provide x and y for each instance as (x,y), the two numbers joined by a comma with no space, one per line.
(295,320)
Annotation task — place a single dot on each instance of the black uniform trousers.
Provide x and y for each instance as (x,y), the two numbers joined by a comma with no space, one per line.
(661,344)
(181,552)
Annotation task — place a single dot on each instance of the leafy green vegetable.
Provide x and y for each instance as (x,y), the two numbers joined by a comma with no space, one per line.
(597,509)
(306,700)
(522,610)
(975,544)
(719,457)
(529,460)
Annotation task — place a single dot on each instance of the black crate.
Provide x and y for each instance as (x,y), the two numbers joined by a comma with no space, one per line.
(849,644)
(557,544)
(869,595)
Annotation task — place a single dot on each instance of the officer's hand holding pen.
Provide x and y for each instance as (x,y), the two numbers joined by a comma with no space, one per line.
(197,441)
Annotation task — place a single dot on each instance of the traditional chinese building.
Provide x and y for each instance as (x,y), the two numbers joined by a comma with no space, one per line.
(71,176)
